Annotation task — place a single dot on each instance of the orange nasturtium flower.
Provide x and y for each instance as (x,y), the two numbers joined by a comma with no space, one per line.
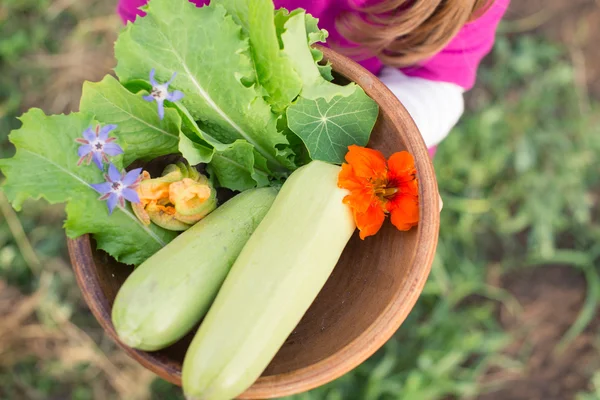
(378,188)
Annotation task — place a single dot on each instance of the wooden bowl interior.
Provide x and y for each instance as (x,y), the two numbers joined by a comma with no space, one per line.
(370,292)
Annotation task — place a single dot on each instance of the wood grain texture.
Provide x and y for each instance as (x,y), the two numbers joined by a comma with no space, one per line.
(371,291)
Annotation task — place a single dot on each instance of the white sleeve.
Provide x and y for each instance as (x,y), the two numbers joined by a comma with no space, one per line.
(434,106)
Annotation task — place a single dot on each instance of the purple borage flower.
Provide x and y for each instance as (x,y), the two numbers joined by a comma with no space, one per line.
(119,187)
(97,146)
(160,93)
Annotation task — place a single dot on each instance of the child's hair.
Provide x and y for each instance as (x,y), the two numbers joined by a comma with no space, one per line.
(403,32)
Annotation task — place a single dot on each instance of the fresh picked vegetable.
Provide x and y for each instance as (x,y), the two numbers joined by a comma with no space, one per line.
(170,292)
(276,277)
(178,199)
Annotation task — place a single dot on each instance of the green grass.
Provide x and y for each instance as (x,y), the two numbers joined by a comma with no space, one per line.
(518,179)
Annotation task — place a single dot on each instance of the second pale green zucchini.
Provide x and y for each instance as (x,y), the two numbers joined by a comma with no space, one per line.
(278,274)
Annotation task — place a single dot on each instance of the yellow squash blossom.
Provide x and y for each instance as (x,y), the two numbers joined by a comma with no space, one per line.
(176,200)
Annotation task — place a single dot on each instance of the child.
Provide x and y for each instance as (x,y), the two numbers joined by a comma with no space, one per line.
(426,51)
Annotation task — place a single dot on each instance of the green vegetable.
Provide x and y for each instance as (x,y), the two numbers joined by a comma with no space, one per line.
(273,67)
(238,168)
(276,277)
(167,295)
(45,165)
(295,44)
(315,35)
(142,134)
(214,71)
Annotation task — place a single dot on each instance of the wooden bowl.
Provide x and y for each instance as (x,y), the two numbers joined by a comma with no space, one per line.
(371,291)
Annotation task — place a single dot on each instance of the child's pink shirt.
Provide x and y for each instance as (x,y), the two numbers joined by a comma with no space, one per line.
(457,63)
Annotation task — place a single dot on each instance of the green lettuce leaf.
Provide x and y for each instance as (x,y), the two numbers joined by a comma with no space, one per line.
(316,35)
(193,150)
(327,128)
(274,70)
(237,166)
(239,11)
(141,133)
(210,54)
(45,166)
(296,44)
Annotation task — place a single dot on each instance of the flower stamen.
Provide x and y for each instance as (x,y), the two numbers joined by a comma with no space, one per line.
(386,192)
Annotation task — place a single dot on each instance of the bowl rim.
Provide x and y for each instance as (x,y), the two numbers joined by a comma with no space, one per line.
(370,340)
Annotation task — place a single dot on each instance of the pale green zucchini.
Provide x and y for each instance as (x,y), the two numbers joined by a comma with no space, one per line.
(170,292)
(278,274)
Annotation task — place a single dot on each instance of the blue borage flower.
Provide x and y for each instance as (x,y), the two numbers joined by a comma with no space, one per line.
(119,187)
(97,146)
(160,93)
